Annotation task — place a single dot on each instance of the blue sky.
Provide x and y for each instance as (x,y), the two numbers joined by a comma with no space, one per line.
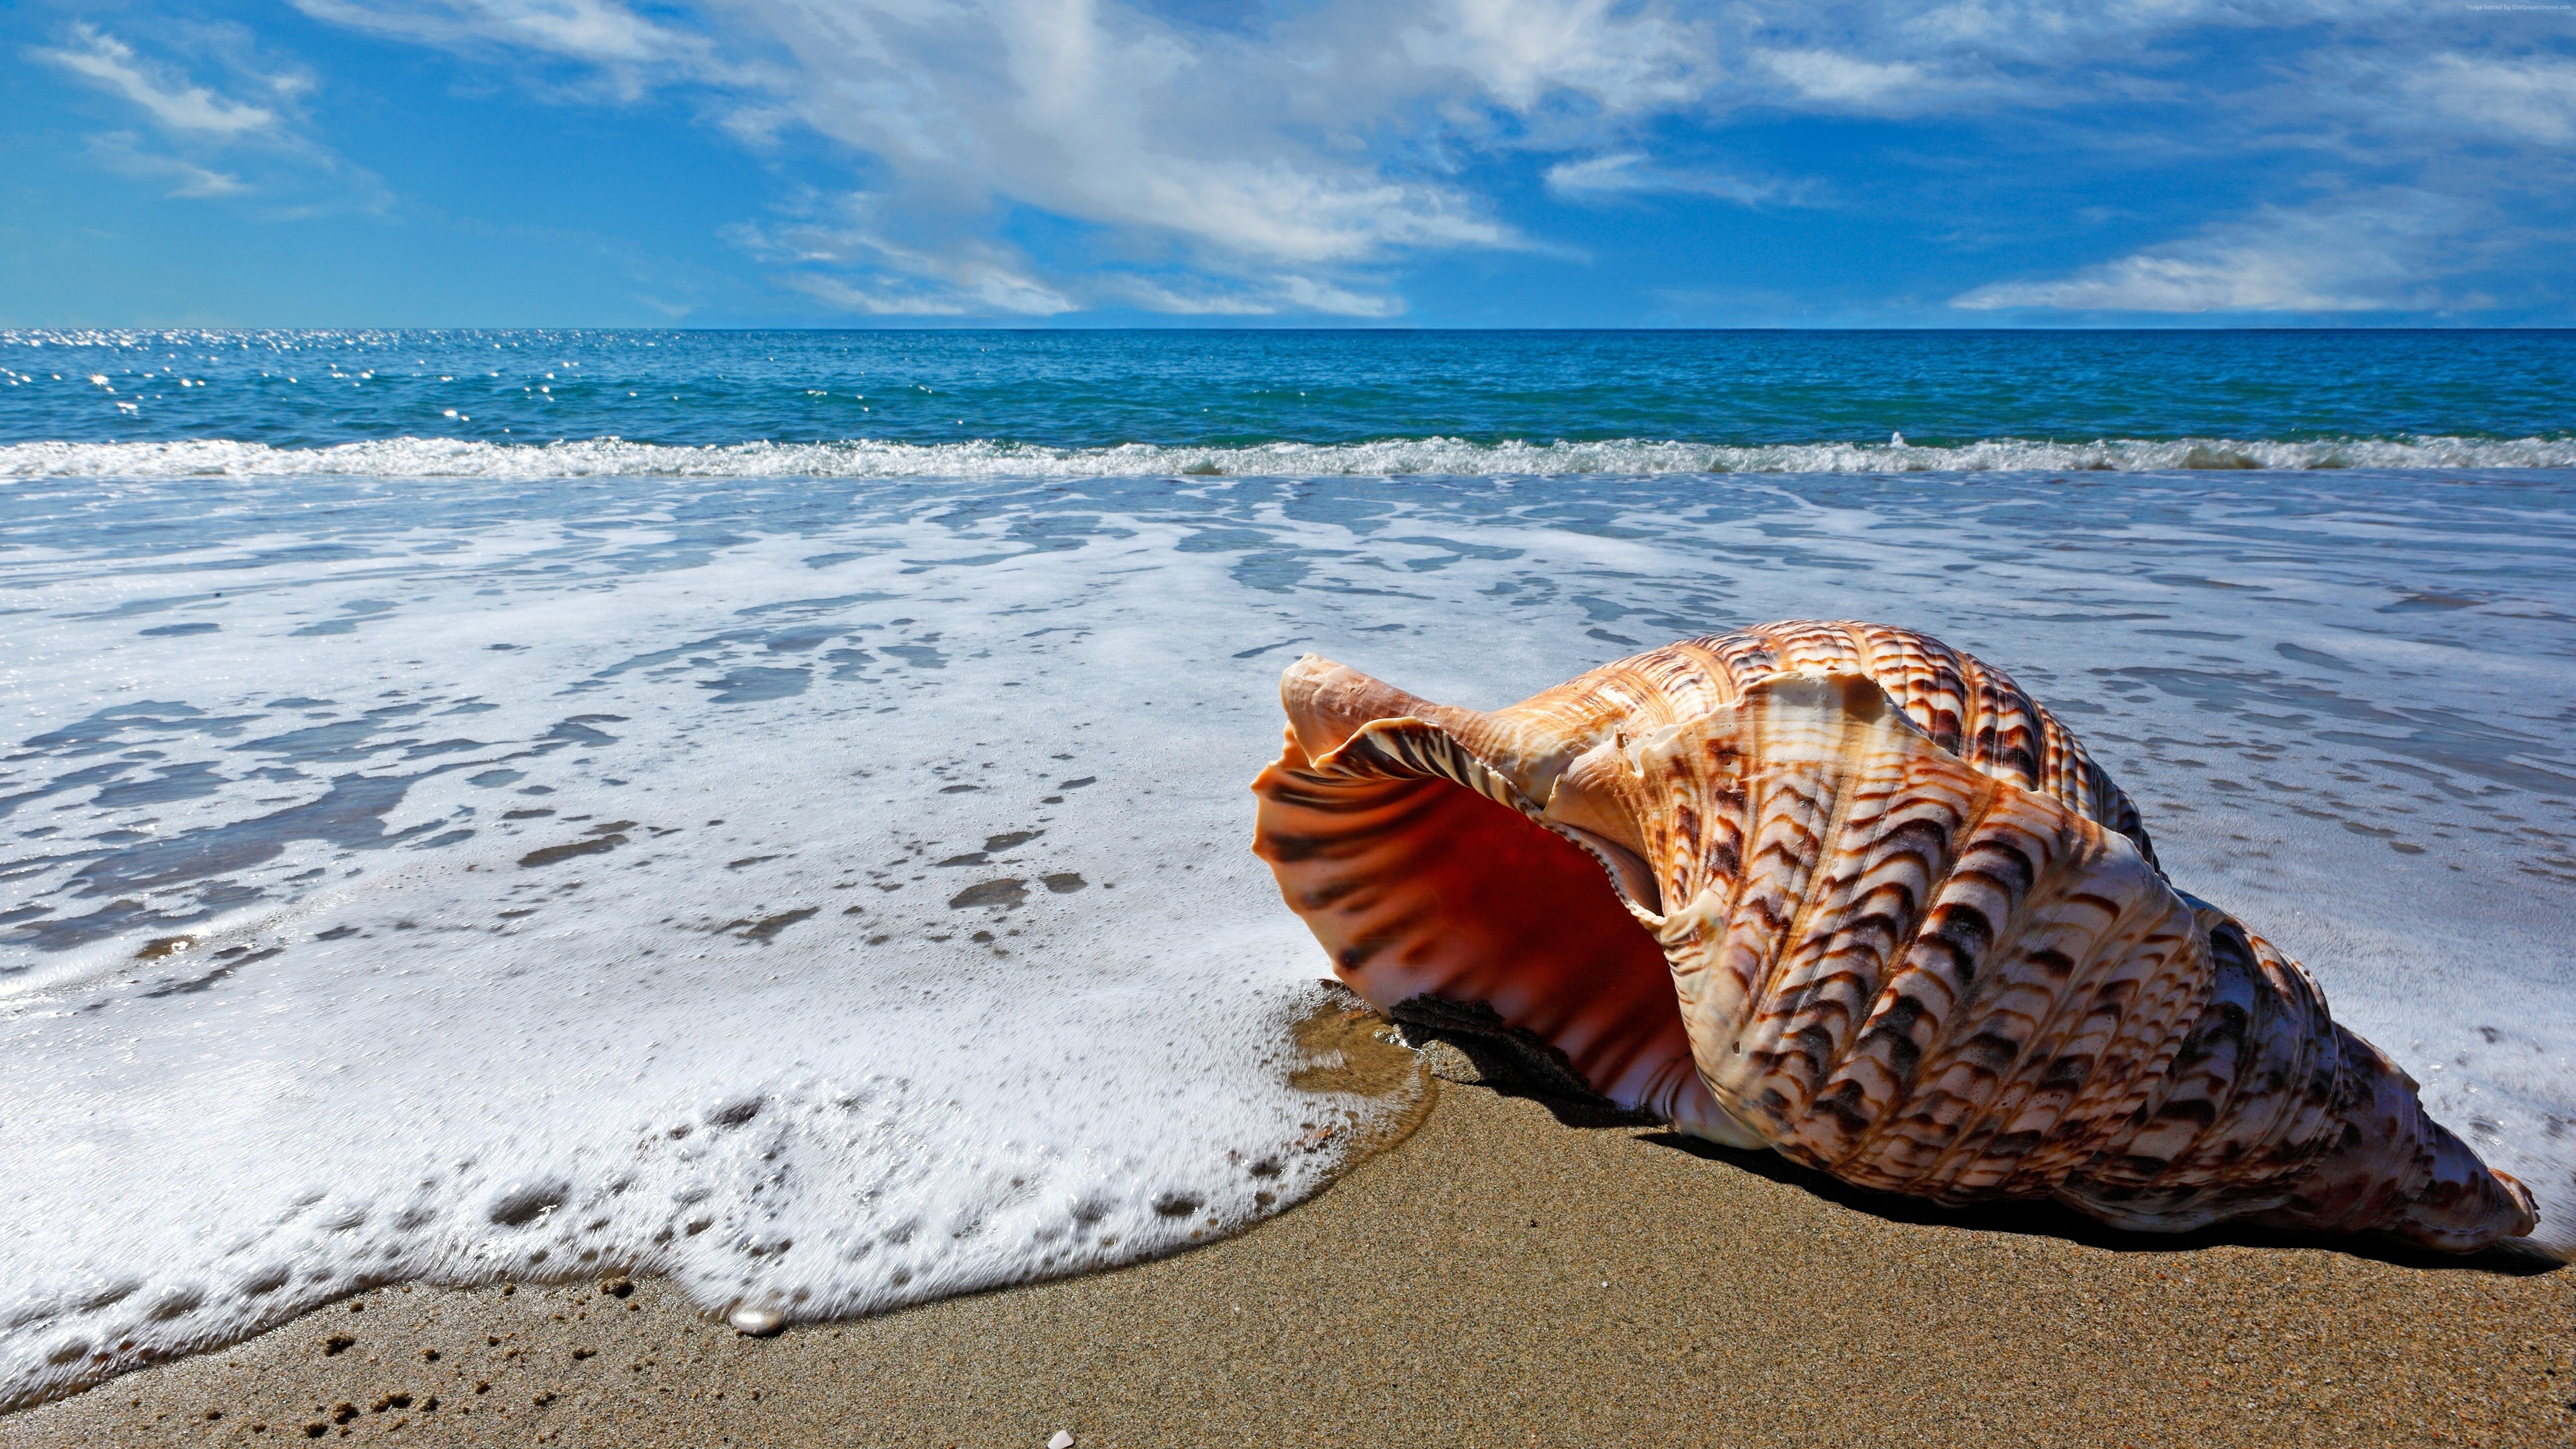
(1324,162)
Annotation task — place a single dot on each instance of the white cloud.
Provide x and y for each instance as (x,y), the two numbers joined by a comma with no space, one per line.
(1823,75)
(846,254)
(121,151)
(874,274)
(1172,145)
(1266,159)
(1282,157)
(1152,296)
(169,99)
(877,299)
(1305,294)
(1520,51)
(1270,299)
(125,153)
(600,32)
(1628,173)
(2351,256)
(249,140)
(2531,99)
(1622,171)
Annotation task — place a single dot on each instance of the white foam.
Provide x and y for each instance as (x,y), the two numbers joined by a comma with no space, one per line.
(876,1108)
(612,457)
(2339,715)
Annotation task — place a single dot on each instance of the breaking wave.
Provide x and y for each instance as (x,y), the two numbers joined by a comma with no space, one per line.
(616,457)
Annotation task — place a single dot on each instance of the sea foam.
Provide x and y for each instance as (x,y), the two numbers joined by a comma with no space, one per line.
(835,893)
(616,458)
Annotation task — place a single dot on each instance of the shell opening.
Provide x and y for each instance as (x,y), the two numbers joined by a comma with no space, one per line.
(1419,885)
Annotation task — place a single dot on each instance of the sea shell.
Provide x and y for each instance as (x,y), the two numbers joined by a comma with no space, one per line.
(1843,892)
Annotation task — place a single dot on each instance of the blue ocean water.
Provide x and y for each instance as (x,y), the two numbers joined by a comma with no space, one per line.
(1342,402)
(786,829)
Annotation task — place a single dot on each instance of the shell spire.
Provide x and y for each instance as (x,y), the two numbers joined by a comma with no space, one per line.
(1844,892)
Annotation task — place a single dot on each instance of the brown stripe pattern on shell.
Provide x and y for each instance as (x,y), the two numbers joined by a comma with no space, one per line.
(1840,890)
(1967,707)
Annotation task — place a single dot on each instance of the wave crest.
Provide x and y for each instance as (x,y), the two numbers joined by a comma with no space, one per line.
(615,457)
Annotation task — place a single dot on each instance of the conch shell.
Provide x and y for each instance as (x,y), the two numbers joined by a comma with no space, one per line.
(1841,891)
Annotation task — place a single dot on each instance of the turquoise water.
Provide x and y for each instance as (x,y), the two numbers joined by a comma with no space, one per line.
(1368,402)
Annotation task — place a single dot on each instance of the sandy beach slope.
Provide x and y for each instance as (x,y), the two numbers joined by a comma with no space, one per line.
(1504,1276)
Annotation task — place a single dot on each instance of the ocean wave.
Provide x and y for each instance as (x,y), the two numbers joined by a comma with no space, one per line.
(411,457)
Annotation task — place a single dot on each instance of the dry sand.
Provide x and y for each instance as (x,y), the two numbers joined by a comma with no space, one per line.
(1501,1277)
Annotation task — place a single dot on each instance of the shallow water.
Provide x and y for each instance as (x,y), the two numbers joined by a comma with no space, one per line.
(834,892)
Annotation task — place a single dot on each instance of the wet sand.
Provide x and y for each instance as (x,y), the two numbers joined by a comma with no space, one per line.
(1500,1277)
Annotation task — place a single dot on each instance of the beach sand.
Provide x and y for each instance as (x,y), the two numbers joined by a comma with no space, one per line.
(1512,1273)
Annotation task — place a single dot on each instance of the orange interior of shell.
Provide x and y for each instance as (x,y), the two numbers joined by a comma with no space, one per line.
(1423,887)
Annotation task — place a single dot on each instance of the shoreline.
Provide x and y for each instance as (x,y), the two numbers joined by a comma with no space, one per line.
(1510,1272)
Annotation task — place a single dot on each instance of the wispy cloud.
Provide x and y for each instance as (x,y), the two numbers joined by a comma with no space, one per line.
(172,101)
(2527,98)
(1518,53)
(629,50)
(250,141)
(863,254)
(2372,255)
(852,268)
(1836,79)
(1269,298)
(1216,159)
(1198,147)
(124,153)
(1634,173)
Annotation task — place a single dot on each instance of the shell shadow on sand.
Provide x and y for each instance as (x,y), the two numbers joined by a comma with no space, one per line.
(1470,1048)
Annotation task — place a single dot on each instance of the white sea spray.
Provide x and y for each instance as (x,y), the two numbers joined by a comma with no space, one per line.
(617,458)
(801,740)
